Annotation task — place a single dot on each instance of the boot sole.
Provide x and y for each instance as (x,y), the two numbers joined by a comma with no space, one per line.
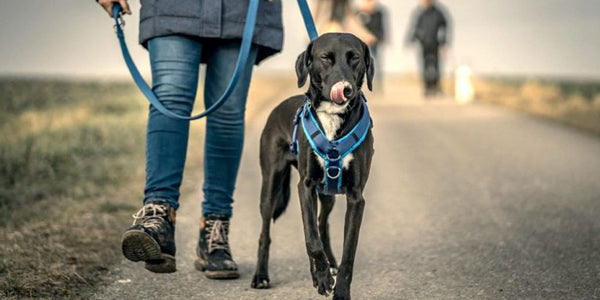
(139,246)
(219,274)
(166,264)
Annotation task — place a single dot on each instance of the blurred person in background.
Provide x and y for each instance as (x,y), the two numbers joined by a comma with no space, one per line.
(337,16)
(430,27)
(179,36)
(373,16)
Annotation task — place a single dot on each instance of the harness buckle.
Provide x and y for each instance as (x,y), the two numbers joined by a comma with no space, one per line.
(336,175)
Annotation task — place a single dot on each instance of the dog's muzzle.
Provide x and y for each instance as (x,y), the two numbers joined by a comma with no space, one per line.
(339,92)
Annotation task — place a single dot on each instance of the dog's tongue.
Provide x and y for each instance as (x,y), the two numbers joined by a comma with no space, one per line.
(337,92)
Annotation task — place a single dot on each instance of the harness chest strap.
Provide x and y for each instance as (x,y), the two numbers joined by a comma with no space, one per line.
(332,152)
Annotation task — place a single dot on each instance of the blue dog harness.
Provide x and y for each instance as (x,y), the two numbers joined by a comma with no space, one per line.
(332,152)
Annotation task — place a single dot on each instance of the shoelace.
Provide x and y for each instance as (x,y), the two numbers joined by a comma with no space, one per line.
(155,220)
(218,235)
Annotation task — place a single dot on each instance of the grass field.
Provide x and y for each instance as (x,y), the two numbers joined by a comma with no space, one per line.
(572,102)
(67,152)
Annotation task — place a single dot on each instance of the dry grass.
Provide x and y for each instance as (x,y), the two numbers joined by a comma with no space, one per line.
(573,103)
(67,152)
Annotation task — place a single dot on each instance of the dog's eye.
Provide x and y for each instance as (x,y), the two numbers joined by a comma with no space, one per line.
(325,58)
(354,61)
(353,58)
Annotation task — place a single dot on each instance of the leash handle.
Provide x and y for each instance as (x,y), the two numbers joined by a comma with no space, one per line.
(116,10)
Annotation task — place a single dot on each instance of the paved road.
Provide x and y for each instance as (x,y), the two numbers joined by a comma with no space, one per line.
(463,202)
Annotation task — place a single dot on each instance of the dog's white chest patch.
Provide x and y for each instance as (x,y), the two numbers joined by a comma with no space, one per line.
(331,122)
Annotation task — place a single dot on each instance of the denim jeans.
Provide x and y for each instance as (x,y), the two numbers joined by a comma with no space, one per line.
(175,62)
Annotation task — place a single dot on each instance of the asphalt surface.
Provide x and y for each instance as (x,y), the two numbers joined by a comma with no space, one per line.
(463,202)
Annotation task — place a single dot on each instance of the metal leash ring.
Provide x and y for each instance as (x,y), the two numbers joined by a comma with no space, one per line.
(337,175)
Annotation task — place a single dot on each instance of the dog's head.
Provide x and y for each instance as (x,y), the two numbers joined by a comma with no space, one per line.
(337,64)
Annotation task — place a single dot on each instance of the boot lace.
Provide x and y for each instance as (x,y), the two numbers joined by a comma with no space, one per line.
(219,229)
(150,215)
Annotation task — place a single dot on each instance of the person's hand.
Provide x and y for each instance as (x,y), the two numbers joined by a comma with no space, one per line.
(108,5)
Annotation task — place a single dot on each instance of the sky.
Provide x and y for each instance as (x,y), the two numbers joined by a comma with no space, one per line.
(552,38)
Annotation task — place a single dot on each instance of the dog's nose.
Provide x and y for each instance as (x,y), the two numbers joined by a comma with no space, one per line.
(339,92)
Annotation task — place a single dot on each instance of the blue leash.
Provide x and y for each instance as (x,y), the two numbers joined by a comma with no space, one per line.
(309,23)
(241,61)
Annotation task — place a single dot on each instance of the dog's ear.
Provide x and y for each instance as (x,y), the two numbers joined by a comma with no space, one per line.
(370,66)
(303,64)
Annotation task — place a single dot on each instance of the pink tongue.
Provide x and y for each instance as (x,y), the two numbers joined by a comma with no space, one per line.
(337,92)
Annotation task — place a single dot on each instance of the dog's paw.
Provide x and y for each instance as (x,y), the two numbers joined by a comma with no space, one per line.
(323,281)
(260,282)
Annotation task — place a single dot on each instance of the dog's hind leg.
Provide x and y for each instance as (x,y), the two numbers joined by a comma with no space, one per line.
(354,213)
(275,195)
(327,202)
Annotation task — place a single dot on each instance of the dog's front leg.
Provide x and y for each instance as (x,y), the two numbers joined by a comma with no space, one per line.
(319,266)
(354,213)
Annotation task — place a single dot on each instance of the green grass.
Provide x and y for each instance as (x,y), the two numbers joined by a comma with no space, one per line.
(69,153)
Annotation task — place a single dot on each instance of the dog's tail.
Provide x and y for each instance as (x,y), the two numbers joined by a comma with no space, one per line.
(282,200)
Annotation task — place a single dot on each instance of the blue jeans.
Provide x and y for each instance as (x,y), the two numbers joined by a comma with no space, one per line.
(175,62)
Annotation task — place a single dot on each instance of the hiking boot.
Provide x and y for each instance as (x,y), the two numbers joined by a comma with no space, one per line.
(214,255)
(151,238)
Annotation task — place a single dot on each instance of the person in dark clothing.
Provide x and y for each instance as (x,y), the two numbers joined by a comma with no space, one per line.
(431,30)
(373,16)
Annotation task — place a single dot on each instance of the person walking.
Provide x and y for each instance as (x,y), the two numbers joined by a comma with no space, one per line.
(180,35)
(372,14)
(431,30)
(337,16)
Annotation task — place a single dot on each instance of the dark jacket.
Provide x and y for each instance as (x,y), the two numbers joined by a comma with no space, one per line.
(220,19)
(430,28)
(375,22)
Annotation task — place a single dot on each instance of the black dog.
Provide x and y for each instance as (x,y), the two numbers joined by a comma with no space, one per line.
(337,64)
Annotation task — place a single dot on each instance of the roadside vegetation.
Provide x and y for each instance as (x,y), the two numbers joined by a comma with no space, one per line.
(576,103)
(69,155)
(71,175)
